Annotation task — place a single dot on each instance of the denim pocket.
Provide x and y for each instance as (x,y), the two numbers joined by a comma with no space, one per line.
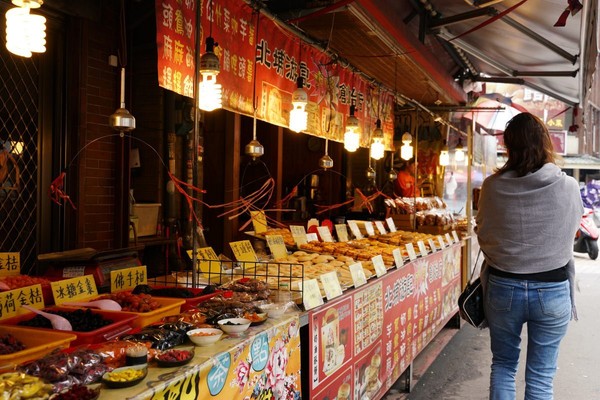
(499,296)
(555,302)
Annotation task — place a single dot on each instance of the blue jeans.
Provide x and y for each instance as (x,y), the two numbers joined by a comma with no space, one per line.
(546,309)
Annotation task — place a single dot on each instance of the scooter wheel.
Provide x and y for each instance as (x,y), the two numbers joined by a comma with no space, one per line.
(593,249)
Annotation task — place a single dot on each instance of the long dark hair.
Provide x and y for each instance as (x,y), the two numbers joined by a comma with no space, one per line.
(528,144)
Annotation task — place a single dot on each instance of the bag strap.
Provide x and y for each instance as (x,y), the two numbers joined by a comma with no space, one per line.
(472,270)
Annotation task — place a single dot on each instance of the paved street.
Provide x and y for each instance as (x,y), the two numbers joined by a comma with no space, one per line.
(461,371)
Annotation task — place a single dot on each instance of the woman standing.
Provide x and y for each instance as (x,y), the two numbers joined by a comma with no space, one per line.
(529,211)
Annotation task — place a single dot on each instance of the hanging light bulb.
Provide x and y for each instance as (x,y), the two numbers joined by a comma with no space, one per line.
(25,32)
(352,135)
(459,153)
(326,162)
(444,156)
(406,151)
(377,147)
(210,92)
(298,115)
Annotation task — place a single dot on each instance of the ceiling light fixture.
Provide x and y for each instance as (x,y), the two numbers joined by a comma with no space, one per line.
(406,151)
(444,156)
(459,153)
(377,147)
(210,95)
(25,32)
(298,115)
(326,162)
(254,149)
(352,135)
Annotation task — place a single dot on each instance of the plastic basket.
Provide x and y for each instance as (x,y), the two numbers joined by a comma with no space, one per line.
(190,302)
(122,323)
(36,345)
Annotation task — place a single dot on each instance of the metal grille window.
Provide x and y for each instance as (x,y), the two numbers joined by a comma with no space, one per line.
(19,99)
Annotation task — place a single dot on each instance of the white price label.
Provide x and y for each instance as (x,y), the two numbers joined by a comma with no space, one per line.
(397,253)
(331,285)
(412,255)
(379,265)
(448,239)
(422,248)
(342,232)
(369,228)
(355,230)
(455,236)
(311,294)
(312,237)
(441,242)
(299,234)
(358,274)
(380,227)
(390,223)
(325,233)
(432,245)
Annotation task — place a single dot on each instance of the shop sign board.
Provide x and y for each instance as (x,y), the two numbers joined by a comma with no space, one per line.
(374,332)
(10,264)
(243,251)
(259,61)
(259,221)
(277,246)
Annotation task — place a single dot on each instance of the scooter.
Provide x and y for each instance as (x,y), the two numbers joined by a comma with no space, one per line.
(586,238)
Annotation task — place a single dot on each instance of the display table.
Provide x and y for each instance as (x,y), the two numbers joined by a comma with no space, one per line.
(360,343)
(264,363)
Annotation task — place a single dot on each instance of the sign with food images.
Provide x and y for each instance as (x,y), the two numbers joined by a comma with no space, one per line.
(394,318)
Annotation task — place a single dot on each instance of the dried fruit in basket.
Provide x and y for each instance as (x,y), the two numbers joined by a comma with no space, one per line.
(81,320)
(10,344)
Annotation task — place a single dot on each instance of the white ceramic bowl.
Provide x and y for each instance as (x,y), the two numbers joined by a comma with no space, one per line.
(234,325)
(204,336)
(274,310)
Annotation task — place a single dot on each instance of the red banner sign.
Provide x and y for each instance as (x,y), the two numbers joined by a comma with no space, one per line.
(246,38)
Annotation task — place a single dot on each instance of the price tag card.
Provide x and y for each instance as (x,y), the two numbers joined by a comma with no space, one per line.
(311,294)
(358,274)
(331,285)
(432,245)
(259,221)
(379,265)
(74,289)
(369,228)
(391,225)
(10,264)
(299,234)
(208,261)
(380,227)
(127,278)
(243,251)
(397,253)
(448,239)
(312,237)
(277,246)
(355,229)
(325,233)
(455,236)
(412,255)
(422,248)
(441,242)
(12,300)
(342,232)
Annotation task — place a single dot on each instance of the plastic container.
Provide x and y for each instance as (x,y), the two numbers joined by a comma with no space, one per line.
(168,306)
(122,323)
(190,302)
(36,345)
(147,214)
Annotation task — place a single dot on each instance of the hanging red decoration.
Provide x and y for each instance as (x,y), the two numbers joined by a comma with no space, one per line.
(56,192)
(573,7)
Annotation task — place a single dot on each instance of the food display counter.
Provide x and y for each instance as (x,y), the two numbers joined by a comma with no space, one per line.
(263,363)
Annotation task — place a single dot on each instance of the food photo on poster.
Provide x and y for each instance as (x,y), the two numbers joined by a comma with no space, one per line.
(338,389)
(367,374)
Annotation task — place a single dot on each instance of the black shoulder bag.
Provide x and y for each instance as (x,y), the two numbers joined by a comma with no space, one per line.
(470,301)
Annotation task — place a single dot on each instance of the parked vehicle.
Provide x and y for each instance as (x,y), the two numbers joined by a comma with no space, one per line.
(586,238)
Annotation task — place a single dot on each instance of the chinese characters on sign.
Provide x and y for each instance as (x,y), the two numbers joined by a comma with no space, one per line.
(127,278)
(80,288)
(10,264)
(243,251)
(12,300)
(175,40)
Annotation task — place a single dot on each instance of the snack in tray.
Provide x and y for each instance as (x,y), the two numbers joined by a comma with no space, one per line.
(114,352)
(10,344)
(288,239)
(81,320)
(77,392)
(16,385)
(140,303)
